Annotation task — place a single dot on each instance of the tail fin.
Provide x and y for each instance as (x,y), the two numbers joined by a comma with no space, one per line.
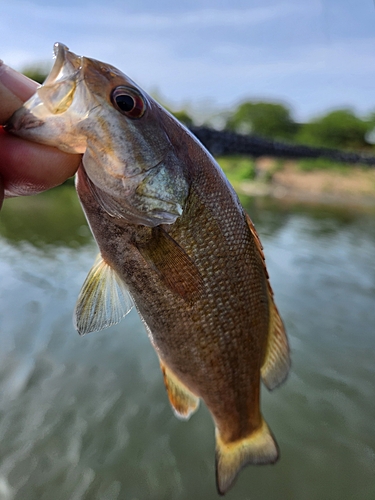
(258,448)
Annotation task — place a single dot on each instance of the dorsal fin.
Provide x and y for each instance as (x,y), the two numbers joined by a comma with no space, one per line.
(103,300)
(173,265)
(183,401)
(276,362)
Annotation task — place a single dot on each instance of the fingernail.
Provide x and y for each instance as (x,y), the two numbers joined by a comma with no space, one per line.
(17,83)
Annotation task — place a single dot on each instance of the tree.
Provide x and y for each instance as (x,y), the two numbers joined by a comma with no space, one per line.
(338,129)
(370,134)
(37,73)
(263,118)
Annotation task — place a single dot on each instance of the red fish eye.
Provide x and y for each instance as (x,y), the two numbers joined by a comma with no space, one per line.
(128,102)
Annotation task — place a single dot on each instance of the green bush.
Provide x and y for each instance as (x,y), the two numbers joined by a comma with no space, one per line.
(263,118)
(338,129)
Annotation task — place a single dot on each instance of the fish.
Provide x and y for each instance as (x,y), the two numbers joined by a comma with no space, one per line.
(176,243)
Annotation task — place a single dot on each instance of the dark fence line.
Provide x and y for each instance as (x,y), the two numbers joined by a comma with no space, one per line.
(225,143)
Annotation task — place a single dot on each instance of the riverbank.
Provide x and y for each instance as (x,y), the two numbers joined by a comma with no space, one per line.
(348,185)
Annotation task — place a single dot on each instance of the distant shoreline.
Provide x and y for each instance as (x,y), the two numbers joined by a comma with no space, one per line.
(356,186)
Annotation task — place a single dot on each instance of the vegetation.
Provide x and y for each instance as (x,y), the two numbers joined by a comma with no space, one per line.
(337,129)
(36,72)
(237,168)
(340,128)
(263,118)
(308,165)
(183,117)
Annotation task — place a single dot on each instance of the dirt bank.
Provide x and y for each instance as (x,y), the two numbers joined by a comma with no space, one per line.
(348,186)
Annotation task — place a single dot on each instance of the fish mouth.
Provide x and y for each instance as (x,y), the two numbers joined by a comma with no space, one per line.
(65,66)
(55,95)
(59,88)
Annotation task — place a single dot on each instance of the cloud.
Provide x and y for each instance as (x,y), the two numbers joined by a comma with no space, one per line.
(206,53)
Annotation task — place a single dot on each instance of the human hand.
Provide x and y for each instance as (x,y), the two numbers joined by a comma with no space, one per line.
(25,167)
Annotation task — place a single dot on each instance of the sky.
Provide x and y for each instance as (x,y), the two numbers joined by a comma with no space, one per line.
(210,55)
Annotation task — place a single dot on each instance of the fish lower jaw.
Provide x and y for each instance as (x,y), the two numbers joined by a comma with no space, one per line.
(23,121)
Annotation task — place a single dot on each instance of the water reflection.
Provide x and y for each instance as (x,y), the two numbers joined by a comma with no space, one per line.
(88,418)
(53,218)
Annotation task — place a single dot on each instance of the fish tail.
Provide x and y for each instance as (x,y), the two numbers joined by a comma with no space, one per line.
(258,448)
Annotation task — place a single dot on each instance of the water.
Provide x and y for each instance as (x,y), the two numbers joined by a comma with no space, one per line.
(88,418)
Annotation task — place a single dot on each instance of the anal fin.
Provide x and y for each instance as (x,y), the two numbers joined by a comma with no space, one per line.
(183,401)
(259,448)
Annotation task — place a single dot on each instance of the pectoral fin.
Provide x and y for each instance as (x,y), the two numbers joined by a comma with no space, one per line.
(103,300)
(276,362)
(173,265)
(183,401)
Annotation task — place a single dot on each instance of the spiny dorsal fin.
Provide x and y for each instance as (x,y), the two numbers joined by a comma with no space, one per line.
(103,300)
(183,401)
(259,448)
(276,362)
(173,265)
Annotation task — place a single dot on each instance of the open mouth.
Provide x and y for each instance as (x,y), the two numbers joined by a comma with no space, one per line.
(54,97)
(65,66)
(58,90)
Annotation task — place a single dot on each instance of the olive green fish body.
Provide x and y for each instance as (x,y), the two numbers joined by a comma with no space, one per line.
(217,337)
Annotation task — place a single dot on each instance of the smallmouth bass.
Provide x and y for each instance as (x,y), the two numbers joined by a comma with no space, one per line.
(175,241)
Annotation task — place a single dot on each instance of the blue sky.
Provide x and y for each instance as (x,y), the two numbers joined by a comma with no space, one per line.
(313,55)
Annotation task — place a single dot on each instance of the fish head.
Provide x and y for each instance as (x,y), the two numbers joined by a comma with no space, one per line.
(89,107)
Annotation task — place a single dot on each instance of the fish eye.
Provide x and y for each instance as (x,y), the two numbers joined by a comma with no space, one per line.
(129,102)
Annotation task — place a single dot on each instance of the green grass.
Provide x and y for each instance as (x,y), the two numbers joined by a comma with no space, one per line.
(309,165)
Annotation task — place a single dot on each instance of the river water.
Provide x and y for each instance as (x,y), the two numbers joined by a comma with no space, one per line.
(88,418)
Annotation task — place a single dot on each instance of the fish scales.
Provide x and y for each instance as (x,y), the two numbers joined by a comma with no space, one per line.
(172,234)
(176,322)
(177,331)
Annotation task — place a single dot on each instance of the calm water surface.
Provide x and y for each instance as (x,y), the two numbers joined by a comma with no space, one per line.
(88,418)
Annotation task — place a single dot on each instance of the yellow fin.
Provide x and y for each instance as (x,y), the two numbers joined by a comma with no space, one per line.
(183,401)
(103,300)
(259,448)
(276,362)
